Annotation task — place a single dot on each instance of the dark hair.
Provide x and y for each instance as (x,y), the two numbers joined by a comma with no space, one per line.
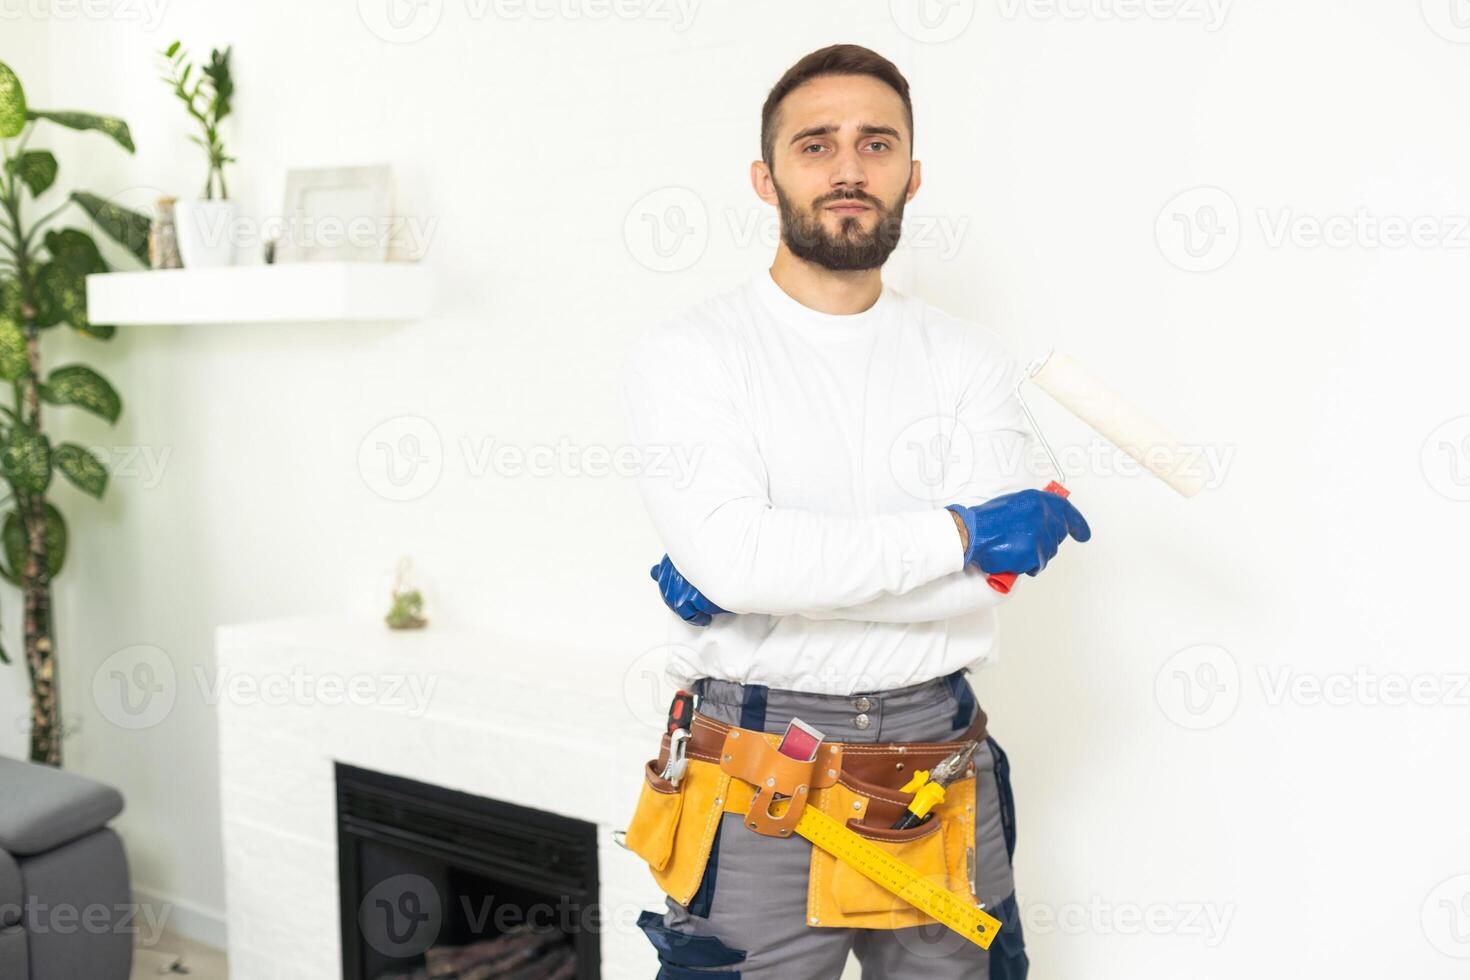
(839,59)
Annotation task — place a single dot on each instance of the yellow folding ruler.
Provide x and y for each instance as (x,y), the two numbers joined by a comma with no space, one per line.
(887,871)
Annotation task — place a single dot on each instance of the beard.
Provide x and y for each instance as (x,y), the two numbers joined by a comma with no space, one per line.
(850,248)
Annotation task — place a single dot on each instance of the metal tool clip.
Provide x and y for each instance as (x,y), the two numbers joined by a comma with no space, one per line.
(677,765)
(952,766)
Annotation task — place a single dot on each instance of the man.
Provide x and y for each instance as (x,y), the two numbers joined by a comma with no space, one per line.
(857,472)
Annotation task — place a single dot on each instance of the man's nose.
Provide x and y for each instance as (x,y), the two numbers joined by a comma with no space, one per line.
(847,170)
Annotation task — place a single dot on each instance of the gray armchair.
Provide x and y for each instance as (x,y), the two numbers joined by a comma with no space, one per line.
(64,895)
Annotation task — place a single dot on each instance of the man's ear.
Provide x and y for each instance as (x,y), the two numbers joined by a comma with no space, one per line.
(915,179)
(760,180)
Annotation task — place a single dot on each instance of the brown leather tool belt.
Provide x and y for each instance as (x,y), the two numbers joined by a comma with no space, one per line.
(872,769)
(732,770)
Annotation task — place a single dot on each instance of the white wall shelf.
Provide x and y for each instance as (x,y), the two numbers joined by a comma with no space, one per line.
(304,292)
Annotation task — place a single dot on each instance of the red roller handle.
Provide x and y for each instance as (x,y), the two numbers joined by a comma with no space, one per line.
(1002,581)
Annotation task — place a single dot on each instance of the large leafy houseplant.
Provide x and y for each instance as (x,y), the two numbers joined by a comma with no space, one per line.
(43,272)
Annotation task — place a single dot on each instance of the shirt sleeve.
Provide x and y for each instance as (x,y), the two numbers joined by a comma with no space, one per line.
(988,414)
(705,487)
(956,594)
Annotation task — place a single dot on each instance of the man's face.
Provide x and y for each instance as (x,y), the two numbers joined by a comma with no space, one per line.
(841,171)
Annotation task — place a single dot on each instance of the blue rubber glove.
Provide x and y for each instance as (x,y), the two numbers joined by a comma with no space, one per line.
(1019,532)
(680,595)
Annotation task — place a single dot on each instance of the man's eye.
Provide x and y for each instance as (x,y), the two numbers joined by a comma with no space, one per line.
(812,146)
(878,143)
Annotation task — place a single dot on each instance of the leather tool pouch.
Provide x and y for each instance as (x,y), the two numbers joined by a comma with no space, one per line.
(940,849)
(752,757)
(673,827)
(867,799)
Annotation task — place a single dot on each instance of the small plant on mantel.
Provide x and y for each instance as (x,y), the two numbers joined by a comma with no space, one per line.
(407,610)
(43,272)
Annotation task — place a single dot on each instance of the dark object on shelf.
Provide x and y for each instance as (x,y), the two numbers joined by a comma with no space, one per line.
(163,237)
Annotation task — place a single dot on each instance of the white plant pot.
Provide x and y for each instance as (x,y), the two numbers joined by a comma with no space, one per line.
(206,232)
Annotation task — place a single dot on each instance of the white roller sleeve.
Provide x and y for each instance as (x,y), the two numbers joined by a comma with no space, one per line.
(1119,422)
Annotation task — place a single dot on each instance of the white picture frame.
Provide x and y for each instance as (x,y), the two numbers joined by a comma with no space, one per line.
(337,214)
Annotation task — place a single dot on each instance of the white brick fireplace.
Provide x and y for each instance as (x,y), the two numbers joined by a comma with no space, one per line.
(511,719)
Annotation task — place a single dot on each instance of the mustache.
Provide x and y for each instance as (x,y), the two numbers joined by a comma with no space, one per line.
(859,196)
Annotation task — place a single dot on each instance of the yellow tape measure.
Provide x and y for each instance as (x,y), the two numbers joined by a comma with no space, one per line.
(862,855)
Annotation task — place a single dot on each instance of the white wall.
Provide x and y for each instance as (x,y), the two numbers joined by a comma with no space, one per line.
(1324,835)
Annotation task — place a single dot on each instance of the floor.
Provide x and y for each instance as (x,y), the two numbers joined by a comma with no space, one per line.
(172,956)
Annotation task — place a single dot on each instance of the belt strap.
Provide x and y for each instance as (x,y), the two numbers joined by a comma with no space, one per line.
(873,769)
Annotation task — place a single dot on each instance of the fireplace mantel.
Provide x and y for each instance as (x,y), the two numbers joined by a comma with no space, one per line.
(502,717)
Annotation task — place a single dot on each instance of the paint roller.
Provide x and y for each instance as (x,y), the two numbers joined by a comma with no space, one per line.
(1128,429)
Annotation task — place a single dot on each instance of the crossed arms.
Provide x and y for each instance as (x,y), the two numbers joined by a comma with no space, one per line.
(746,555)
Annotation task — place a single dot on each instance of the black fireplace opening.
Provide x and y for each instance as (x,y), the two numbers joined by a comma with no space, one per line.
(446,885)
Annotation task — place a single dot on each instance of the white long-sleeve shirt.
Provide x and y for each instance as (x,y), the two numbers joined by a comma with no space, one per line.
(796,465)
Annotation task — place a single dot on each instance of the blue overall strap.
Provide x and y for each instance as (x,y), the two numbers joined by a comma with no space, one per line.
(964,697)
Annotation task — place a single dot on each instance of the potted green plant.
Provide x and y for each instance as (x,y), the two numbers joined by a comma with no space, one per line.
(43,270)
(205,225)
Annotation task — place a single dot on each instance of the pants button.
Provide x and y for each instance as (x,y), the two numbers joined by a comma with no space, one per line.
(861,721)
(862,704)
